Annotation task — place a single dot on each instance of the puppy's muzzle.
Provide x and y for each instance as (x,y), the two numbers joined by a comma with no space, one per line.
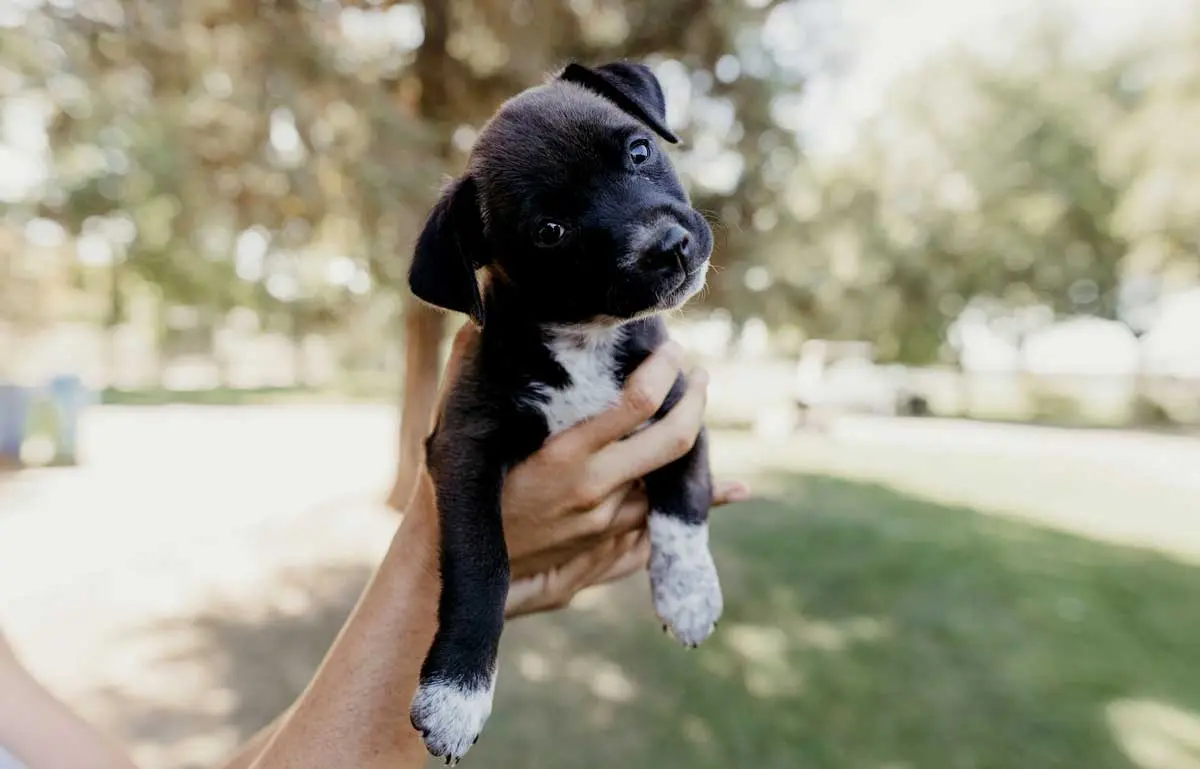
(671,249)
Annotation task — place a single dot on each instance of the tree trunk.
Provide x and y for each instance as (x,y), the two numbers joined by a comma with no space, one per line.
(113,321)
(424,328)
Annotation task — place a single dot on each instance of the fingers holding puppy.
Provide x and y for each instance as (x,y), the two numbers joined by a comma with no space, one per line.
(551,580)
(660,443)
(554,588)
(628,517)
(641,398)
(582,486)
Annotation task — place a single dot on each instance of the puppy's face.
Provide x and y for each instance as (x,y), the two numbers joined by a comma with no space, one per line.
(570,201)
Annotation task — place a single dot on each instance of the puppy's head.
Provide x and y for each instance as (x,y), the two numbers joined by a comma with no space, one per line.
(571,204)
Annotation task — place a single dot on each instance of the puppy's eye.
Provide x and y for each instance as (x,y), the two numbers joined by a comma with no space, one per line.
(550,234)
(639,152)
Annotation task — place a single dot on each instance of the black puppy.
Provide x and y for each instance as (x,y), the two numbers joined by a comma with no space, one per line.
(567,235)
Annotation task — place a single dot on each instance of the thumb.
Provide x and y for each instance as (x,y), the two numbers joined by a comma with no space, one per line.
(728,492)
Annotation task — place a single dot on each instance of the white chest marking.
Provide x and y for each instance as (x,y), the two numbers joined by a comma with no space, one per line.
(589,360)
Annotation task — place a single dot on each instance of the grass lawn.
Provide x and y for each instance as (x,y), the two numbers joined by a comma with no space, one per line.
(363,389)
(867,627)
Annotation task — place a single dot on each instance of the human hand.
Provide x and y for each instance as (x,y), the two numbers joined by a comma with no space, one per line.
(575,512)
(620,546)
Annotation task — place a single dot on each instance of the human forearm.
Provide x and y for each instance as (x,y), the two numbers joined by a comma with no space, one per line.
(42,731)
(249,751)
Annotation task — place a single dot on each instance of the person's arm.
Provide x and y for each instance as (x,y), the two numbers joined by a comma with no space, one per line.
(39,730)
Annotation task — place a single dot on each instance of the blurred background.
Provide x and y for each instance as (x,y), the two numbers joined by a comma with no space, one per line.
(953,328)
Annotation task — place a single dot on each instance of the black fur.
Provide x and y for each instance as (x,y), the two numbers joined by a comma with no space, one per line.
(631,87)
(565,155)
(450,250)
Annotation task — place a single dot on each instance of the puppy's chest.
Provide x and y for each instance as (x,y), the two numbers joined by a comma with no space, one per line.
(592,381)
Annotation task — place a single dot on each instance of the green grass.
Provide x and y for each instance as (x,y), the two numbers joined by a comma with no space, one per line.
(372,391)
(217,396)
(866,627)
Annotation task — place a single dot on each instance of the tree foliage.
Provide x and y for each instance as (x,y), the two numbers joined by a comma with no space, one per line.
(279,156)
(1047,179)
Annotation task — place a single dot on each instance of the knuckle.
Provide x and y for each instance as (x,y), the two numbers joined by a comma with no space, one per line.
(554,594)
(559,454)
(588,496)
(641,400)
(599,518)
(552,589)
(681,442)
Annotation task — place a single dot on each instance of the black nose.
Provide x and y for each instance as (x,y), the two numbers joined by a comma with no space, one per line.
(672,248)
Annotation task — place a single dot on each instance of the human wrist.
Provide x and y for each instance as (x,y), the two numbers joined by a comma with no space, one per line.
(418,529)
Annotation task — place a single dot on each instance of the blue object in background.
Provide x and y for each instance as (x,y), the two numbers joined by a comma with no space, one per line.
(15,406)
(69,397)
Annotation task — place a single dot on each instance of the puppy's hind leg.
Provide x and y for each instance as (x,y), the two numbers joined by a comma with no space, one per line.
(683,577)
(458,677)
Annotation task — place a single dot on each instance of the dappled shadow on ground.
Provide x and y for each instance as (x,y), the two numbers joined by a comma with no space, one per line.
(218,677)
(863,628)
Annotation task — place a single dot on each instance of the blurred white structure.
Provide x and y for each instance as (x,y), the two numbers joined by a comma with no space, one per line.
(1087,346)
(1172,345)
(843,376)
(708,337)
(1082,346)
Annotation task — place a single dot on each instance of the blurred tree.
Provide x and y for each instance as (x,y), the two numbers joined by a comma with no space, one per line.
(1153,150)
(178,128)
(1012,181)
(279,157)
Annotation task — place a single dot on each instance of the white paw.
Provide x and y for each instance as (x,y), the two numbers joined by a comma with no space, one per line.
(683,579)
(450,716)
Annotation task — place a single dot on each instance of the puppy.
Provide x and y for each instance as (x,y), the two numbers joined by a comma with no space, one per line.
(565,238)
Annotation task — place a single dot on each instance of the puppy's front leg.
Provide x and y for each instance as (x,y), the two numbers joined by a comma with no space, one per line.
(459,674)
(683,577)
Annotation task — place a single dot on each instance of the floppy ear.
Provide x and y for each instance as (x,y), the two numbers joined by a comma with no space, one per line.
(632,87)
(449,251)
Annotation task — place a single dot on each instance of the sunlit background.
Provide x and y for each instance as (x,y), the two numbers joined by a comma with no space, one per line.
(953,329)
